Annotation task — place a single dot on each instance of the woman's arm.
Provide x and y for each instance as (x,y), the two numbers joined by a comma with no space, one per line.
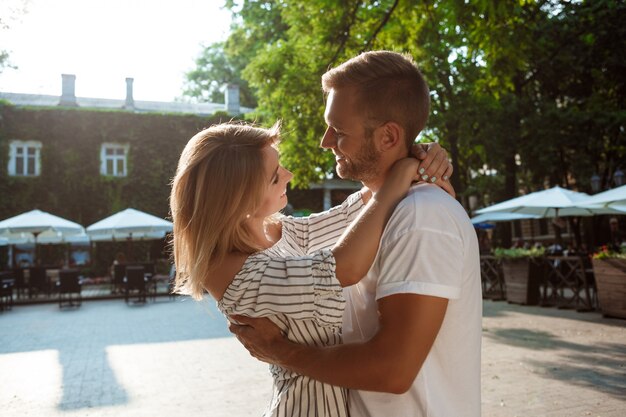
(322,230)
(356,249)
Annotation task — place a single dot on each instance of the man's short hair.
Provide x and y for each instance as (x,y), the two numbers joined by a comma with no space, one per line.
(389,86)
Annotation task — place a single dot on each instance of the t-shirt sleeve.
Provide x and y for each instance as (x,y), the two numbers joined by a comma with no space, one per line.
(301,287)
(322,230)
(419,260)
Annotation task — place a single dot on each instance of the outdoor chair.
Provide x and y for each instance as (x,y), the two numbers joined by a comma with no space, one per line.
(135,284)
(151,283)
(38,281)
(69,287)
(20,286)
(148,268)
(148,273)
(117,282)
(6,293)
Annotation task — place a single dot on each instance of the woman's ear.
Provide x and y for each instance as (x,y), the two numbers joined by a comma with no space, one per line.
(391,136)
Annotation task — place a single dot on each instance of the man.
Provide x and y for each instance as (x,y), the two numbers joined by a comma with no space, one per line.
(412,326)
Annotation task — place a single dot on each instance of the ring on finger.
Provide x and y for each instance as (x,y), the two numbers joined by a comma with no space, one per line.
(433,179)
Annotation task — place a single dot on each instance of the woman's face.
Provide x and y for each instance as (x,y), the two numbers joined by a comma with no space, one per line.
(277,178)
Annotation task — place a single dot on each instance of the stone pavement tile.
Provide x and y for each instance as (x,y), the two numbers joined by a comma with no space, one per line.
(550,362)
(108,359)
(173,358)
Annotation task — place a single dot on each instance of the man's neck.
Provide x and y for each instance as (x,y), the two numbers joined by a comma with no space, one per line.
(375,183)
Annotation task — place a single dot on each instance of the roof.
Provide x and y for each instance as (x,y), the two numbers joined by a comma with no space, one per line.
(41,100)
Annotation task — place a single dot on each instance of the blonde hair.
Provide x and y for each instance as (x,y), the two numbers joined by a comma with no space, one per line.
(389,87)
(219,181)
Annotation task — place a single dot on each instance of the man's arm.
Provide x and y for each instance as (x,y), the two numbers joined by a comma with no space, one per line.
(389,362)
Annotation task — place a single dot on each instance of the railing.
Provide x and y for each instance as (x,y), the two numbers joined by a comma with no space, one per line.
(564,281)
(20,287)
(492,278)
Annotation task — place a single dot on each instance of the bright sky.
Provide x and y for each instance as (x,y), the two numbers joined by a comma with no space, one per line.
(104,41)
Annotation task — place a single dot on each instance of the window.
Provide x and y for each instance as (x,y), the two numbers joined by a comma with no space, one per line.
(113,157)
(24,158)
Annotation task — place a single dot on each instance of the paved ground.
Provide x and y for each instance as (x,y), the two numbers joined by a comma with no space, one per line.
(176,358)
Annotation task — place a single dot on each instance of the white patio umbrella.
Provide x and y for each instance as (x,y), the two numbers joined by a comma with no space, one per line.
(47,237)
(554,202)
(501,217)
(129,224)
(16,238)
(614,199)
(54,237)
(26,227)
(36,222)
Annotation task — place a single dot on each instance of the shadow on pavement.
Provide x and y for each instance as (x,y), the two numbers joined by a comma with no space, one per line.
(81,337)
(601,367)
(494,309)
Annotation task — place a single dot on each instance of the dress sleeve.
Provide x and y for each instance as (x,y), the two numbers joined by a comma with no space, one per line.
(303,287)
(322,230)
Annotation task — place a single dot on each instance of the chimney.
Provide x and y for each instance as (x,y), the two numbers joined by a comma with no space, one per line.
(68,91)
(231,97)
(130,102)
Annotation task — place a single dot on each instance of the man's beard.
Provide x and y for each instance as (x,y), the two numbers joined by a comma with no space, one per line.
(364,166)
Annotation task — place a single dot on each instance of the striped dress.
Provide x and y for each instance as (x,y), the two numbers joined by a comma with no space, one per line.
(293,283)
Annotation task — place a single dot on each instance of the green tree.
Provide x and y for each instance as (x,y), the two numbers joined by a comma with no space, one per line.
(11,11)
(255,24)
(523,93)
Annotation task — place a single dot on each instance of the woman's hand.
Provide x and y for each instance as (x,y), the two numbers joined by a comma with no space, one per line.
(435,166)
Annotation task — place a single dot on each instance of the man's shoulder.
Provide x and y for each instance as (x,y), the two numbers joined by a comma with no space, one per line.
(425,196)
(427,205)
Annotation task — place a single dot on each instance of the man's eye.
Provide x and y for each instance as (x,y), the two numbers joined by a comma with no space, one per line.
(275,180)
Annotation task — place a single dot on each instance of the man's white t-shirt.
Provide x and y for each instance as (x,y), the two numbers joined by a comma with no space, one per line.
(429,247)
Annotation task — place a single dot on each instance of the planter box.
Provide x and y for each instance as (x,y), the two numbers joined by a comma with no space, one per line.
(610,277)
(522,277)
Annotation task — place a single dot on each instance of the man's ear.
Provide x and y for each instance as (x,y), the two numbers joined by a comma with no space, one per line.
(391,136)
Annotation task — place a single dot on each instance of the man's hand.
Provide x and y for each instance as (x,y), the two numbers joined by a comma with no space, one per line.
(262,338)
(434,166)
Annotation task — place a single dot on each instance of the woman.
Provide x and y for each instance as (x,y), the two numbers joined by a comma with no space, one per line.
(230,241)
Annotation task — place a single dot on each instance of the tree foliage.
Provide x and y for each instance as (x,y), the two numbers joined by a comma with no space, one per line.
(524,93)
(10,12)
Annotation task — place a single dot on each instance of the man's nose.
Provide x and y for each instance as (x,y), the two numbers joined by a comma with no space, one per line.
(328,141)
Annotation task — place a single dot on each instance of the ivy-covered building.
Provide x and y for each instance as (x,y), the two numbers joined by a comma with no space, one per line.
(85,158)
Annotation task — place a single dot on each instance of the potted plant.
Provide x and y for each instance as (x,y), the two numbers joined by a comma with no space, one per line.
(609,268)
(522,270)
